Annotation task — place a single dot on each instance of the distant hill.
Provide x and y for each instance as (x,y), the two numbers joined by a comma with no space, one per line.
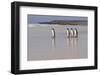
(64,22)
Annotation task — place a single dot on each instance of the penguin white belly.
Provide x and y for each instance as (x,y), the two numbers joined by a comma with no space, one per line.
(67,33)
(75,34)
(71,33)
(52,33)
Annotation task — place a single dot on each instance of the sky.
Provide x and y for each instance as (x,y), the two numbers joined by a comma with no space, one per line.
(47,18)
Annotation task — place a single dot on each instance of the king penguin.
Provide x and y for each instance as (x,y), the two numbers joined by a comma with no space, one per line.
(71,32)
(68,32)
(53,32)
(75,32)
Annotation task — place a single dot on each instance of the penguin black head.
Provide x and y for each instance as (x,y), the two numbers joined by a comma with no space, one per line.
(75,28)
(71,28)
(52,28)
(67,28)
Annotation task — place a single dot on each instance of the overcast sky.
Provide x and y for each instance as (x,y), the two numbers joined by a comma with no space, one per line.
(47,18)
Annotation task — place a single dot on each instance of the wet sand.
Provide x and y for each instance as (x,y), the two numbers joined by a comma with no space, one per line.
(41,45)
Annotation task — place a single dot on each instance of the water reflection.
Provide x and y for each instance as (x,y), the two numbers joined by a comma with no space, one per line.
(53,42)
(71,42)
(43,46)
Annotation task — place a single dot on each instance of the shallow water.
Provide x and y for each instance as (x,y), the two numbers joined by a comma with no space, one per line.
(41,45)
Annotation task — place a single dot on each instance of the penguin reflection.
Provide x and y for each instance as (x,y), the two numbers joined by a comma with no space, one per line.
(72,42)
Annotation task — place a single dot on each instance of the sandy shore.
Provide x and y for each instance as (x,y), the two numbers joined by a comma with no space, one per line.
(42,47)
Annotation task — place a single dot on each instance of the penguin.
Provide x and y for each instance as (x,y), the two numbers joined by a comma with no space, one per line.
(75,32)
(71,32)
(53,32)
(68,32)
